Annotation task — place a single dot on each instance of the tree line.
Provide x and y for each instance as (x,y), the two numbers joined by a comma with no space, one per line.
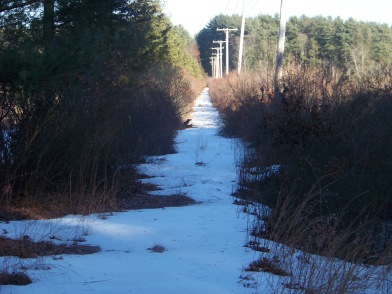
(87,88)
(354,47)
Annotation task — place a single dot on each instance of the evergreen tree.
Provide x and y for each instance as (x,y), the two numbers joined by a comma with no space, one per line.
(80,94)
(205,37)
(348,45)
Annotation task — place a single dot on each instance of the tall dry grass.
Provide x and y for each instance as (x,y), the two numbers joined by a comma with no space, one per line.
(77,143)
(320,158)
(240,99)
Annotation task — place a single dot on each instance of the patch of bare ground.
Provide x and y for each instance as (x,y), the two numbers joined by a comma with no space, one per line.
(146,201)
(128,197)
(254,245)
(26,248)
(48,209)
(134,196)
(157,248)
(131,195)
(17,278)
(267,265)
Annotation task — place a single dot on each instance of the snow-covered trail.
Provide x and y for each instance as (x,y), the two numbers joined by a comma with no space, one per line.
(204,242)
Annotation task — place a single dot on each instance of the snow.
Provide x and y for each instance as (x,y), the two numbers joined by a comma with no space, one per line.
(204,242)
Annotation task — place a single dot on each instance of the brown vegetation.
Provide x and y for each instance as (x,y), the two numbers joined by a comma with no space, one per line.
(82,162)
(157,248)
(267,265)
(17,278)
(319,157)
(26,248)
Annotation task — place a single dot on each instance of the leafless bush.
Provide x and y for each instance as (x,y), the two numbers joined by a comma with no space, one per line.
(310,254)
(240,99)
(318,158)
(74,143)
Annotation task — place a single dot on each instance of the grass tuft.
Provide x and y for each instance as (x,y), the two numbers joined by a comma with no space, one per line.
(267,265)
(157,248)
(17,279)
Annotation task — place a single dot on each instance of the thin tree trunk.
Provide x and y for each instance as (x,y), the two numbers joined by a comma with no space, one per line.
(48,24)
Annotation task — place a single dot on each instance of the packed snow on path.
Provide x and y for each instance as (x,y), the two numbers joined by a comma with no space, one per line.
(204,242)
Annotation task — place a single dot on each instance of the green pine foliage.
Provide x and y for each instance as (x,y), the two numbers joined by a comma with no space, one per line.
(352,46)
(82,96)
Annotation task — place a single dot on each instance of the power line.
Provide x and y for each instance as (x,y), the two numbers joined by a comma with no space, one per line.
(254,6)
(227,6)
(247,5)
(235,10)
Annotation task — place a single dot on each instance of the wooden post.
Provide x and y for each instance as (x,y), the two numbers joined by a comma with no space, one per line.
(217,63)
(226,30)
(241,39)
(280,49)
(220,57)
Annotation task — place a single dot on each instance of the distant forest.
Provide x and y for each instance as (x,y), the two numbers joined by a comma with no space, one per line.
(354,47)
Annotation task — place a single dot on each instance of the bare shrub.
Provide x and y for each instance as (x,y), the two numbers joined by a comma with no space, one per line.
(239,99)
(314,254)
(319,157)
(326,128)
(15,278)
(77,143)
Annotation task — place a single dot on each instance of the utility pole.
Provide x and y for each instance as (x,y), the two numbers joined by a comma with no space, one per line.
(212,62)
(280,49)
(241,38)
(220,56)
(220,61)
(214,65)
(226,30)
(217,63)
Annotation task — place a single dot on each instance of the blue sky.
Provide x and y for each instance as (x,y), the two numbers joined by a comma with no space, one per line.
(195,14)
